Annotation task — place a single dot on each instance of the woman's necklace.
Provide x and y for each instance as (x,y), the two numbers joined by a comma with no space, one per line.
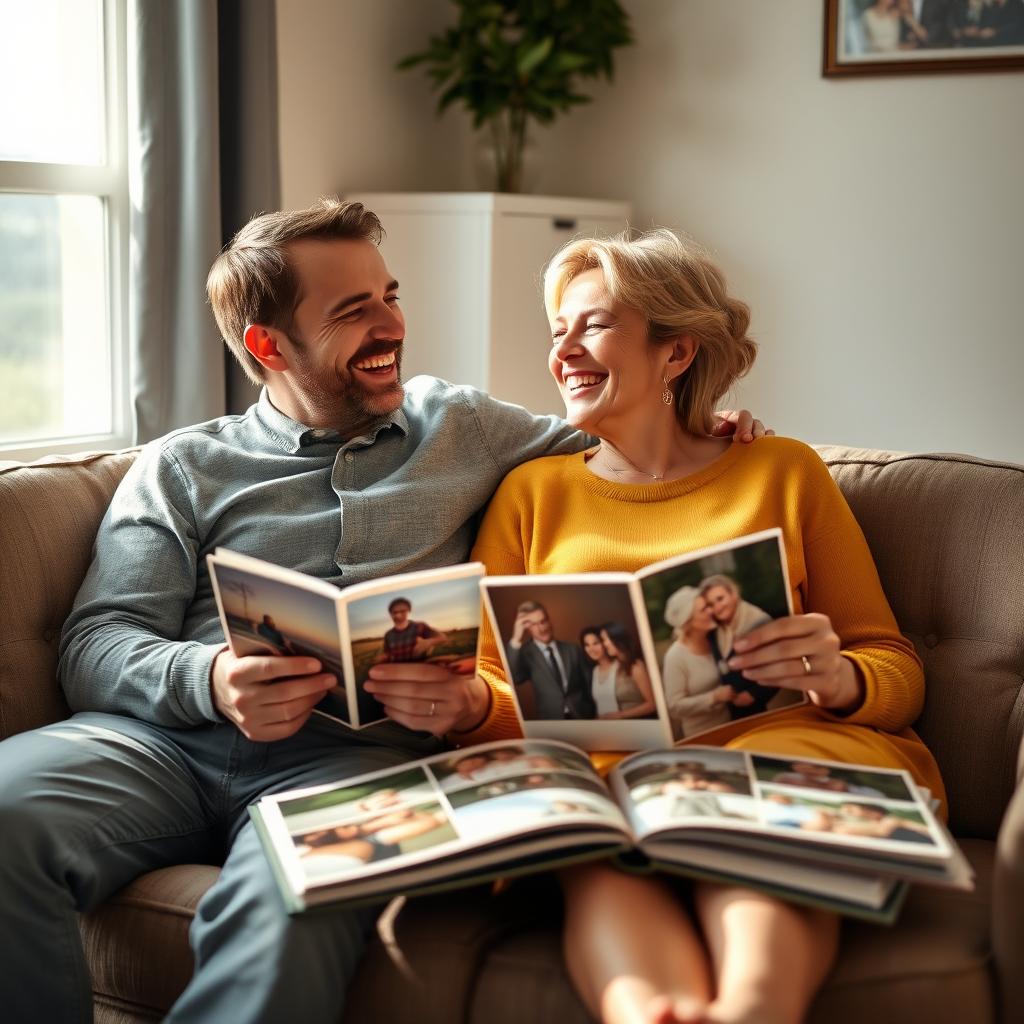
(629,463)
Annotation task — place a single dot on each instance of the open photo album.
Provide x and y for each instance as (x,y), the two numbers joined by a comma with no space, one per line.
(632,661)
(432,615)
(842,837)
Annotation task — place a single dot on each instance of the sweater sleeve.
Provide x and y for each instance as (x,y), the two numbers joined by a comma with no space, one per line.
(842,582)
(500,547)
(120,650)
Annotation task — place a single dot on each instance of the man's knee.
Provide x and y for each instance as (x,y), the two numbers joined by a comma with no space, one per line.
(28,824)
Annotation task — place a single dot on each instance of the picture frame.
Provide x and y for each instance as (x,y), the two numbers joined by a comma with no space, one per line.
(899,37)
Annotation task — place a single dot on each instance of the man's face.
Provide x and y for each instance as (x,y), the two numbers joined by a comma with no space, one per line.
(538,625)
(723,602)
(345,343)
(400,615)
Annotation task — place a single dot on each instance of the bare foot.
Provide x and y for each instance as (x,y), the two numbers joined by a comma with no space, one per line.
(743,1012)
(668,1010)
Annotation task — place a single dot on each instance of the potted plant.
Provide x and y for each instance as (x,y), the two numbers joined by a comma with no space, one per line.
(509,61)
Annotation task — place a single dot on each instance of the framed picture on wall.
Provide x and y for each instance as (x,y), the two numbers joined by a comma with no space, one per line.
(875,37)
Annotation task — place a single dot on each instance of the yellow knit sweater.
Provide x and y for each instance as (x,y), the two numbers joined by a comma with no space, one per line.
(554,516)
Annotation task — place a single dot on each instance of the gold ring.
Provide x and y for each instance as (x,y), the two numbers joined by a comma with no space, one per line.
(807,664)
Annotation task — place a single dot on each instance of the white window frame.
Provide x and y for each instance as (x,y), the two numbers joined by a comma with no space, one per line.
(108,182)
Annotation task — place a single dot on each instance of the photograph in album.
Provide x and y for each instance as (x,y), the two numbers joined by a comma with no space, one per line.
(631,661)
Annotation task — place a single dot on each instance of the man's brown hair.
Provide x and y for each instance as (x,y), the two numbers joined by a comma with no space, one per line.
(252,280)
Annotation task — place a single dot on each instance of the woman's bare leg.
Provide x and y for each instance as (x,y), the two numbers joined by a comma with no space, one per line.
(633,953)
(769,957)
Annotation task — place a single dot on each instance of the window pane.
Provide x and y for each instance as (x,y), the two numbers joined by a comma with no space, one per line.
(51,81)
(55,360)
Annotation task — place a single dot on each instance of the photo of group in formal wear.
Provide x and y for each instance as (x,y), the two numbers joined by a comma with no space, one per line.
(925,31)
(573,652)
(696,612)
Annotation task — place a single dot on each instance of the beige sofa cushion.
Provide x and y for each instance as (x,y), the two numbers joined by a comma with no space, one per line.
(137,942)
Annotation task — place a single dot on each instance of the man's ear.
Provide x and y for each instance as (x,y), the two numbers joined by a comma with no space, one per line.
(261,344)
(683,351)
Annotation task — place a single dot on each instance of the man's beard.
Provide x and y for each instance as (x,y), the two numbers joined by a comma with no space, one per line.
(340,394)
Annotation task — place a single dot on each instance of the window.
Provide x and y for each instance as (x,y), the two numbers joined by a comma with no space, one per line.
(63,226)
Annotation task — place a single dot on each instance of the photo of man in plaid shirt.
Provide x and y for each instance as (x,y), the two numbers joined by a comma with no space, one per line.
(408,640)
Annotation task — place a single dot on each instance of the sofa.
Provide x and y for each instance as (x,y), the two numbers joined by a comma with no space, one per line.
(947,533)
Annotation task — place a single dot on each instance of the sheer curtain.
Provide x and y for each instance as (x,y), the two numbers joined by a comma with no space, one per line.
(192,140)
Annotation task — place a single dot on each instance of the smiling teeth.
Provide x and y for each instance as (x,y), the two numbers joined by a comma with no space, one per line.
(376,362)
(579,380)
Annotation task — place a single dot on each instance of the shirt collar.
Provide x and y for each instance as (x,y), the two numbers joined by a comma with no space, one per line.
(293,436)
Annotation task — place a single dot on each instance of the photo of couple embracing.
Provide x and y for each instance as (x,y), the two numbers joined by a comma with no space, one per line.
(697,613)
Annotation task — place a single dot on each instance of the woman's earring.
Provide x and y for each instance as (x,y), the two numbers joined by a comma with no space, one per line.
(666,394)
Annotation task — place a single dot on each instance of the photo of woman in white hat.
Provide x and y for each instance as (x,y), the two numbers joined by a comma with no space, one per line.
(696,697)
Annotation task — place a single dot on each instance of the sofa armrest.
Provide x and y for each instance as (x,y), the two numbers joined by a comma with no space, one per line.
(1007,901)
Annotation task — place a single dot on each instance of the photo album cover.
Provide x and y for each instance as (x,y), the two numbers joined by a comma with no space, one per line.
(432,616)
(631,661)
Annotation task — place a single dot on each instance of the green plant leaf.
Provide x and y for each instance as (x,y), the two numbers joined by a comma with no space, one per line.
(535,55)
(521,58)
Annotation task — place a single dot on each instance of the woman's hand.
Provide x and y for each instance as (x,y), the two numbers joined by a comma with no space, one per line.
(429,698)
(800,652)
(723,694)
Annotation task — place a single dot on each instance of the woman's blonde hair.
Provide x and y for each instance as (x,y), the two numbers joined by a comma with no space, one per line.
(681,291)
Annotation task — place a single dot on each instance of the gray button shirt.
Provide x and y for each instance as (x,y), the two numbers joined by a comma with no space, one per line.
(144,630)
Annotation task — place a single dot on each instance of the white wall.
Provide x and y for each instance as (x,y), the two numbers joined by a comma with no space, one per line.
(348,120)
(873,224)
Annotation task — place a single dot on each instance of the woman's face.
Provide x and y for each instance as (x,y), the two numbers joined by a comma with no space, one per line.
(593,648)
(609,645)
(723,602)
(602,361)
(701,620)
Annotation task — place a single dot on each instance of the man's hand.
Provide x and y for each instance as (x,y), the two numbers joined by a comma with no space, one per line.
(521,631)
(429,698)
(740,424)
(269,697)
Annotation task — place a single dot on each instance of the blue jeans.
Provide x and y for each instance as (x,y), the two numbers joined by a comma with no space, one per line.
(89,804)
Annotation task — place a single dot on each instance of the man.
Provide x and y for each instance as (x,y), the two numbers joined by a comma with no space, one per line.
(268,630)
(172,735)
(408,640)
(924,24)
(558,681)
(735,618)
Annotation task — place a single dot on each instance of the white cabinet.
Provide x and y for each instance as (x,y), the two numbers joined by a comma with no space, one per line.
(469,267)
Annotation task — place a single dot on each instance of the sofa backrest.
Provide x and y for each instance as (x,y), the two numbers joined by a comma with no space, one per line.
(49,514)
(947,533)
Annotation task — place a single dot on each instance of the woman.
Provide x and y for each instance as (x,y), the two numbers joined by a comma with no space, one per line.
(645,339)
(634,697)
(604,672)
(696,697)
(881,23)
